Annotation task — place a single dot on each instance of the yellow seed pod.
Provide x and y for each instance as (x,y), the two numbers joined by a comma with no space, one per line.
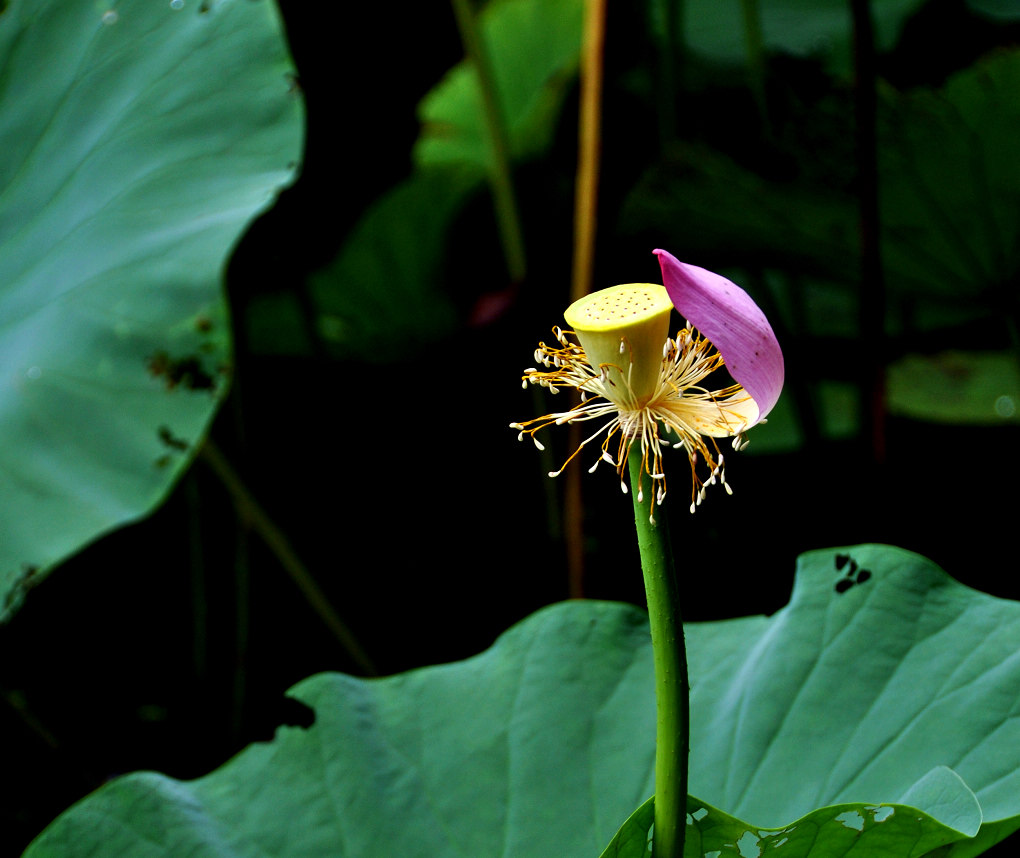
(624,328)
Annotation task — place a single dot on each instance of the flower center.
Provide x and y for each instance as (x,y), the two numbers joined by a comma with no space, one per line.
(622,329)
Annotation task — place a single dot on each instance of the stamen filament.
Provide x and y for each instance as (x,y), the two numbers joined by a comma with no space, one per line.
(680,405)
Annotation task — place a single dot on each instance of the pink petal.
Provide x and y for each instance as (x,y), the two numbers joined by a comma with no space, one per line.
(732,322)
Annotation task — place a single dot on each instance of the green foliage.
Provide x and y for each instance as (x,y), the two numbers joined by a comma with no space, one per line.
(715,28)
(951,228)
(533,48)
(957,387)
(1002,10)
(882,831)
(875,713)
(131,159)
(381,296)
(384,294)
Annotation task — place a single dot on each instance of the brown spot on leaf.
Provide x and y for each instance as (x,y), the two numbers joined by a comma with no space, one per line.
(187,372)
(168,438)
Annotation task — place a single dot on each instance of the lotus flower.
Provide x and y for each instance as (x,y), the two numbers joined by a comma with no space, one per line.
(645,389)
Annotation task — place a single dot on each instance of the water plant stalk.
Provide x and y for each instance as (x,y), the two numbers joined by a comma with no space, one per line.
(672,691)
(255,517)
(500,179)
(754,48)
(873,296)
(589,150)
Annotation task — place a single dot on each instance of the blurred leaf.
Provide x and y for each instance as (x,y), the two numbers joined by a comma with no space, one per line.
(882,681)
(950,184)
(998,10)
(951,239)
(717,208)
(136,144)
(837,406)
(715,28)
(534,48)
(382,297)
(276,324)
(980,388)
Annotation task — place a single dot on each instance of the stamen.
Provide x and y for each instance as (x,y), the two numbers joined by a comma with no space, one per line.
(676,406)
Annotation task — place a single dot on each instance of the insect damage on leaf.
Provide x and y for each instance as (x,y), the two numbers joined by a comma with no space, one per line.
(27,579)
(187,372)
(852,575)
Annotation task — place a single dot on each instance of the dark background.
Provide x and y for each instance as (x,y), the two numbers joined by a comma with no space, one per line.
(169,645)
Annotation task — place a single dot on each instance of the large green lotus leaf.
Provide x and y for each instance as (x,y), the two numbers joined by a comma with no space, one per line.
(875,715)
(137,140)
(533,48)
(882,831)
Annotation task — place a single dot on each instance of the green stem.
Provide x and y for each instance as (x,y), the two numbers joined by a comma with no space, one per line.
(255,517)
(754,46)
(672,705)
(503,197)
